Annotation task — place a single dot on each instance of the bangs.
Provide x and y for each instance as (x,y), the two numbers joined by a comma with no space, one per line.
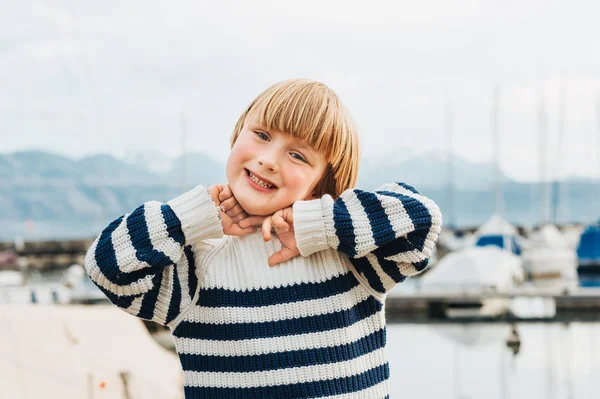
(306,110)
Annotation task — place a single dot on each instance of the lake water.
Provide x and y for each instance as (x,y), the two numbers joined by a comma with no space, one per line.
(472,361)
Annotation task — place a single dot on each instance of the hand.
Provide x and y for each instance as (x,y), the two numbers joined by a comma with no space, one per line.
(282,222)
(231,211)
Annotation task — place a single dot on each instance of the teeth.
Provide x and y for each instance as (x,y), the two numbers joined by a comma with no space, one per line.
(258,181)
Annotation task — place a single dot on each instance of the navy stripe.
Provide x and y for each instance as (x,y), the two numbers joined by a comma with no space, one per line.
(140,238)
(420,266)
(283,360)
(192,279)
(398,246)
(220,297)
(344,229)
(380,223)
(106,259)
(105,256)
(391,269)
(150,298)
(173,224)
(296,326)
(419,215)
(120,301)
(175,302)
(408,187)
(313,389)
(364,267)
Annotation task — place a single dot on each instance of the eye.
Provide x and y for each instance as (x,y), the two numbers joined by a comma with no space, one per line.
(299,157)
(262,135)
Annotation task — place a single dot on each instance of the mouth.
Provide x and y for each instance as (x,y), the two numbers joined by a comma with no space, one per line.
(259,181)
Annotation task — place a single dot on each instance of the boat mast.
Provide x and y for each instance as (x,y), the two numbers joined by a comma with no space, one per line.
(450,161)
(499,202)
(183,127)
(542,131)
(598,135)
(560,206)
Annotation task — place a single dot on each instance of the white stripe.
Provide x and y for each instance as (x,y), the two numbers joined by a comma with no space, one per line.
(225,270)
(413,256)
(396,188)
(141,286)
(386,280)
(365,241)
(135,306)
(125,252)
(327,207)
(159,235)
(434,212)
(283,311)
(294,375)
(337,337)
(408,269)
(397,215)
(378,391)
(165,296)
(184,280)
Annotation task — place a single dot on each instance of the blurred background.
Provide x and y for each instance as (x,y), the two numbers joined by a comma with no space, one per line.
(490,108)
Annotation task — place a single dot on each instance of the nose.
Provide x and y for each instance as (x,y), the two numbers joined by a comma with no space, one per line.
(268,160)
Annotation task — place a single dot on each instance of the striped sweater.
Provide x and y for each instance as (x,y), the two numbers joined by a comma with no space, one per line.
(312,327)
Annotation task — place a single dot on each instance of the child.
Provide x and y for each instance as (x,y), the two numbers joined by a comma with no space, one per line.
(312,327)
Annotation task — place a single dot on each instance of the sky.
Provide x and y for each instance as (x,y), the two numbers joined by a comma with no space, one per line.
(81,77)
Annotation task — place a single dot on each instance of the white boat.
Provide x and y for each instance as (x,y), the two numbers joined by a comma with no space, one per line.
(453,240)
(549,256)
(491,265)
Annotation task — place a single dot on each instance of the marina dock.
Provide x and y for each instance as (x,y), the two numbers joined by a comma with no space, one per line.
(536,305)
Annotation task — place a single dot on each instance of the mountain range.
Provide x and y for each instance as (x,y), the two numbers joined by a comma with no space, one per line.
(45,195)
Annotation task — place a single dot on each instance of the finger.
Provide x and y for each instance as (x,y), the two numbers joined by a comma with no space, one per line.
(283,255)
(266,228)
(236,219)
(214,191)
(228,203)
(225,192)
(238,231)
(288,214)
(254,221)
(236,210)
(281,226)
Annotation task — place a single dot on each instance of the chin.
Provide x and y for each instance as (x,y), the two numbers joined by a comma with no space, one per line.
(253,209)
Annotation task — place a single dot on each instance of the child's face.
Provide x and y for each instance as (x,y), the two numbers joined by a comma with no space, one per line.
(289,166)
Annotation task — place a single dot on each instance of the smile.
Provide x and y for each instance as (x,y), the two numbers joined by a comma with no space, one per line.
(258,182)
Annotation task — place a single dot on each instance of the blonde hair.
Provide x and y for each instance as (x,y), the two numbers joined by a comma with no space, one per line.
(311,111)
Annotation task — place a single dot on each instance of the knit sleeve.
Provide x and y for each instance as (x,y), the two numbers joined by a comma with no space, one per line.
(388,234)
(143,261)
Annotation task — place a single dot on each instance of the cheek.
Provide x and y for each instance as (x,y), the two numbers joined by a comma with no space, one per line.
(231,165)
(301,181)
(238,155)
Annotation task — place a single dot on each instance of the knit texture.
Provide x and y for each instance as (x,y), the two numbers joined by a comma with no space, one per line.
(312,327)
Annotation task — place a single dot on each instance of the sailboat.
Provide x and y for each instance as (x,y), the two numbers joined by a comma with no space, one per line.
(588,250)
(548,257)
(492,264)
(588,256)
